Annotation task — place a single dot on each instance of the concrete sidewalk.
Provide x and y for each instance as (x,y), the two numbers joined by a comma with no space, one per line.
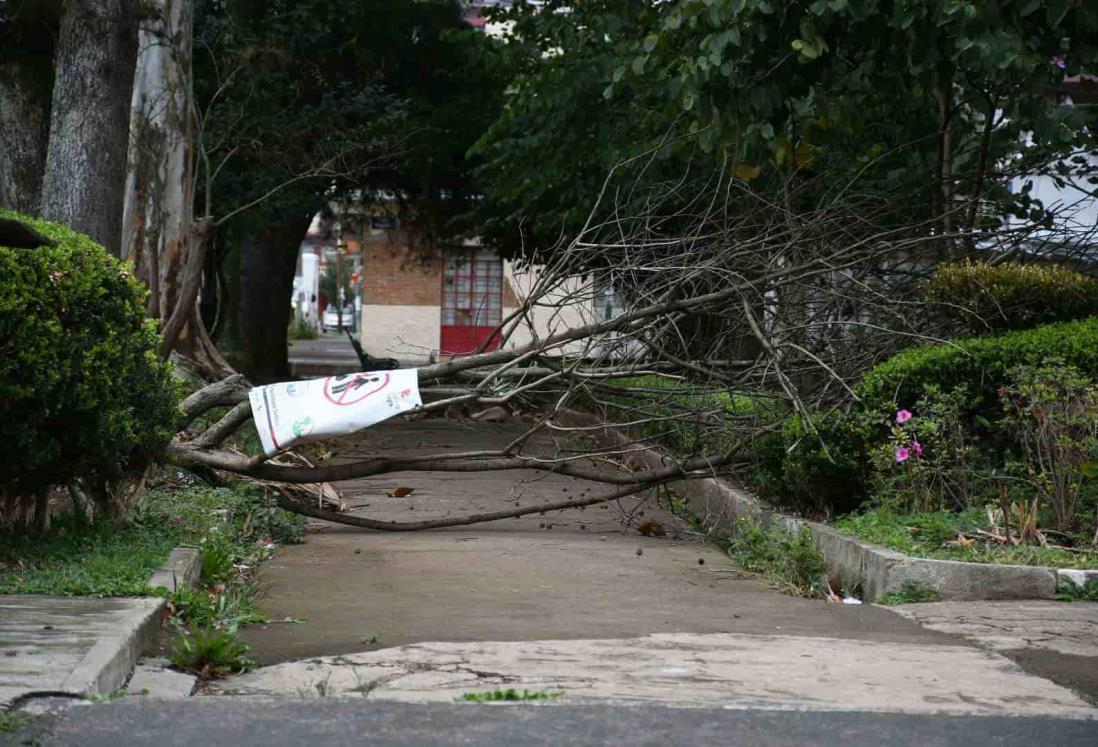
(576,574)
(329,354)
(581,600)
(82,646)
(77,645)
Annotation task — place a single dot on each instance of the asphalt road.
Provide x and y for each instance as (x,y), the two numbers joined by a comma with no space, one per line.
(234,721)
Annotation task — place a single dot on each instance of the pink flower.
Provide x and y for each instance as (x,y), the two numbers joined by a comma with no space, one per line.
(916,447)
(902,454)
(1059,61)
(903,416)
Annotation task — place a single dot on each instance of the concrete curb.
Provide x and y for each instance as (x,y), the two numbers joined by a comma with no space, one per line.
(108,664)
(180,570)
(875,569)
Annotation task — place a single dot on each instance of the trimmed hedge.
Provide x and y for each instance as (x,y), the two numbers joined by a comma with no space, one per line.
(980,364)
(977,298)
(831,472)
(82,391)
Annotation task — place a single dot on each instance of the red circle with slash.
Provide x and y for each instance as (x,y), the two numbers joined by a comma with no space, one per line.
(352,394)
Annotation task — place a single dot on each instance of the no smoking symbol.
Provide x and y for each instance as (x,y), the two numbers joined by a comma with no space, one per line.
(350,389)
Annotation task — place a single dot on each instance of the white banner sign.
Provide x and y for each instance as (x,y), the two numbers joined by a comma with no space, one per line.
(296,411)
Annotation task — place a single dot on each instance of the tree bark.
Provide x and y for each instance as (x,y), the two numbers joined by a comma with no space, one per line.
(23,132)
(160,179)
(268,261)
(85,174)
(26,84)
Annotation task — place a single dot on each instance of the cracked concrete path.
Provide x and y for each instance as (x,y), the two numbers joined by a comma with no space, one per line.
(572,574)
(1052,639)
(580,601)
(728,671)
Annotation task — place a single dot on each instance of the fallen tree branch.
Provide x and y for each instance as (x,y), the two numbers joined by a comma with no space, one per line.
(457,521)
(229,391)
(185,455)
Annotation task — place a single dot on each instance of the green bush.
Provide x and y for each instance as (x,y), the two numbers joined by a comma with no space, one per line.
(818,472)
(977,366)
(82,392)
(976,297)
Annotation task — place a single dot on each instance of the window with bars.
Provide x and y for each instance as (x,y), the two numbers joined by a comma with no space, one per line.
(472,290)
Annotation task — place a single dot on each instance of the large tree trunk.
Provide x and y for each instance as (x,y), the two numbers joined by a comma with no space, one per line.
(26,84)
(160,180)
(268,262)
(85,175)
(23,130)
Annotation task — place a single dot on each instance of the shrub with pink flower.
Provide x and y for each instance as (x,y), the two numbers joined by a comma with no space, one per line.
(925,464)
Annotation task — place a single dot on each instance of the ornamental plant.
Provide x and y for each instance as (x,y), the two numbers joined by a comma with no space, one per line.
(977,297)
(83,394)
(929,461)
(1052,412)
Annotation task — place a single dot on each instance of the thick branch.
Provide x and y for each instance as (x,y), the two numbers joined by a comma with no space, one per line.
(457,521)
(228,391)
(187,456)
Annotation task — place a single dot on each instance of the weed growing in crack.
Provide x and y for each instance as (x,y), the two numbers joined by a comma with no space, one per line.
(1069,591)
(790,562)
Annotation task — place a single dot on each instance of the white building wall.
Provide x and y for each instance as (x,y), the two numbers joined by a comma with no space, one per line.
(408,333)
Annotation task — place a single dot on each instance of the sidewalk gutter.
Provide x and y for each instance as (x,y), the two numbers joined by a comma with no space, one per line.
(875,569)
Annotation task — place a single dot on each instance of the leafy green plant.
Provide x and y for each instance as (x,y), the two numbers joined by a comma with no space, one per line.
(790,561)
(911,592)
(977,297)
(210,652)
(82,391)
(1052,410)
(977,365)
(12,720)
(257,516)
(230,608)
(1069,591)
(813,467)
(218,557)
(510,695)
(301,328)
(927,463)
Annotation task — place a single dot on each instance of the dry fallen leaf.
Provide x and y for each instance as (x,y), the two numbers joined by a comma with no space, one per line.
(401,492)
(652,529)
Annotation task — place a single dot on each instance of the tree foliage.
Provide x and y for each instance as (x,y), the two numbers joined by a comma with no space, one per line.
(948,99)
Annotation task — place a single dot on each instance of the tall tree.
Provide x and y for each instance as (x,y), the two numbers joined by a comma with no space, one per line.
(947,99)
(297,112)
(28,29)
(160,180)
(84,181)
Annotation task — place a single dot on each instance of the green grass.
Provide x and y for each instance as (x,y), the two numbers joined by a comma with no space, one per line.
(926,535)
(790,562)
(510,695)
(115,559)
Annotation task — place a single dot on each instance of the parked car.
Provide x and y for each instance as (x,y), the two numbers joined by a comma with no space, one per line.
(331,318)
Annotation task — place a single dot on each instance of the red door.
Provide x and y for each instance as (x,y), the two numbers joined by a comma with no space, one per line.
(472,302)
